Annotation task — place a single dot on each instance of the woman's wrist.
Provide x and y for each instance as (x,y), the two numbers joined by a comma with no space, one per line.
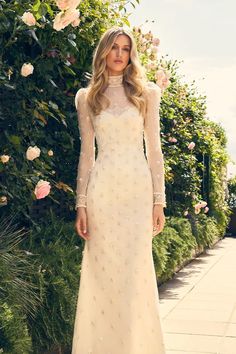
(159,206)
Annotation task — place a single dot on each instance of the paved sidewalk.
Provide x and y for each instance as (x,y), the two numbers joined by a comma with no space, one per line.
(198,306)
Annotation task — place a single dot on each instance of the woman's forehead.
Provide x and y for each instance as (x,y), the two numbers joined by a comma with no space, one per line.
(122,39)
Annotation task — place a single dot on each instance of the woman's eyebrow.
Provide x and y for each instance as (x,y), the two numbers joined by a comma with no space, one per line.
(125,45)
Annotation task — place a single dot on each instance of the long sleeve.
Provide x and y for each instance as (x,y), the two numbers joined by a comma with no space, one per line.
(153,143)
(87,148)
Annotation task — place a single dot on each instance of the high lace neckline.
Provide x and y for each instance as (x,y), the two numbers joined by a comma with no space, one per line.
(115,80)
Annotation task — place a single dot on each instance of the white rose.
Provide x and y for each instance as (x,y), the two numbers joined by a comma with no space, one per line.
(32,153)
(27,69)
(50,153)
(3,200)
(5,158)
(63,19)
(67,4)
(28,18)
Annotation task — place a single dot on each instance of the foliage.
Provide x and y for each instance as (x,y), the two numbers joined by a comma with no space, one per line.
(173,247)
(18,295)
(232,192)
(206,230)
(57,251)
(179,241)
(14,334)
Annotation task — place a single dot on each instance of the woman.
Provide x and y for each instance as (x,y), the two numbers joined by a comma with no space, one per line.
(119,201)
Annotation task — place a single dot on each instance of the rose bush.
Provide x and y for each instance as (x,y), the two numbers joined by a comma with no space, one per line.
(42,68)
(194,147)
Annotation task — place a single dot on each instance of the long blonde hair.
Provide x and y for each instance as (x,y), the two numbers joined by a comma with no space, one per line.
(134,77)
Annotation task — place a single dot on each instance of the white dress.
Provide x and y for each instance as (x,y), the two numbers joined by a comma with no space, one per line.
(118,301)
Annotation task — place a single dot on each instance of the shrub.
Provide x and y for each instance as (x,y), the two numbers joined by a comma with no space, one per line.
(57,253)
(18,295)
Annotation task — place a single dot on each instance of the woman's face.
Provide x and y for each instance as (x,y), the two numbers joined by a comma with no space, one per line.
(118,57)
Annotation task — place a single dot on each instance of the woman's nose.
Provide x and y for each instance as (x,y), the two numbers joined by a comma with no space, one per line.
(118,53)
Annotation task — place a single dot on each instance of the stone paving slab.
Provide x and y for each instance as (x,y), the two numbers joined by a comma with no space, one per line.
(198,306)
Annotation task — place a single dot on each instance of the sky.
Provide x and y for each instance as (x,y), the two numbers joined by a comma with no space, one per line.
(201,33)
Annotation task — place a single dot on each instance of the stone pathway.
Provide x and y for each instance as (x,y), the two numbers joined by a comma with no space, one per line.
(198,306)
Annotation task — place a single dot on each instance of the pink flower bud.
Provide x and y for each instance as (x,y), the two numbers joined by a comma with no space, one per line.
(191,145)
(156,41)
(28,18)
(42,189)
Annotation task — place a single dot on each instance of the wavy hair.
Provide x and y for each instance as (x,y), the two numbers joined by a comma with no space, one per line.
(134,77)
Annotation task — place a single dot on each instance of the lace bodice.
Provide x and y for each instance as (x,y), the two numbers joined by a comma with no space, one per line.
(120,129)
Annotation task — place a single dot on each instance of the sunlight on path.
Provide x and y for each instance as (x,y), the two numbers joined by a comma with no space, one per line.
(198,306)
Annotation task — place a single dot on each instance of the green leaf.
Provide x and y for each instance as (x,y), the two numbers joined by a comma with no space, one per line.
(36,5)
(49,9)
(14,139)
(43,9)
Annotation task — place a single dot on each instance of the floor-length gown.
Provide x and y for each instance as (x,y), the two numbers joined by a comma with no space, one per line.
(118,301)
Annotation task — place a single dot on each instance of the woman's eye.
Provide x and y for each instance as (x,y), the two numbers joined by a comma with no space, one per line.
(126,49)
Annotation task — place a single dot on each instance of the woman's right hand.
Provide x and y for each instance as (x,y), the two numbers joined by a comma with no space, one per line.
(81,224)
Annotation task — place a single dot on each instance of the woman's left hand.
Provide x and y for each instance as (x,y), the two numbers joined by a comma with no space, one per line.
(158,219)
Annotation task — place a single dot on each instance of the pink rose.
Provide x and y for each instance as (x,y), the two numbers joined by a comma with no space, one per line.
(76,22)
(203,204)
(42,189)
(162,79)
(27,69)
(63,19)
(28,18)
(191,145)
(172,139)
(156,41)
(67,4)
(199,205)
(206,209)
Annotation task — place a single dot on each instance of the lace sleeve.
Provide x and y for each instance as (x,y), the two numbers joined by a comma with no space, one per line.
(87,148)
(153,143)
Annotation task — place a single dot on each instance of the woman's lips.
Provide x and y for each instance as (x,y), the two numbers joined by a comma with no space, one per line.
(119,61)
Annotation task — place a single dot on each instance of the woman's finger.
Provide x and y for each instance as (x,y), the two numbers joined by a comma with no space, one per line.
(79,227)
(83,229)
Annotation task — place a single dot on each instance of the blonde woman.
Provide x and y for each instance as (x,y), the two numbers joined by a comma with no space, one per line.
(119,201)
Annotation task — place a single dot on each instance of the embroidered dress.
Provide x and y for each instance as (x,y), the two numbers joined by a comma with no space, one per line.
(118,301)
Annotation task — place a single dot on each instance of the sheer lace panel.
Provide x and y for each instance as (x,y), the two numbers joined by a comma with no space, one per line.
(120,108)
(153,143)
(115,81)
(87,148)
